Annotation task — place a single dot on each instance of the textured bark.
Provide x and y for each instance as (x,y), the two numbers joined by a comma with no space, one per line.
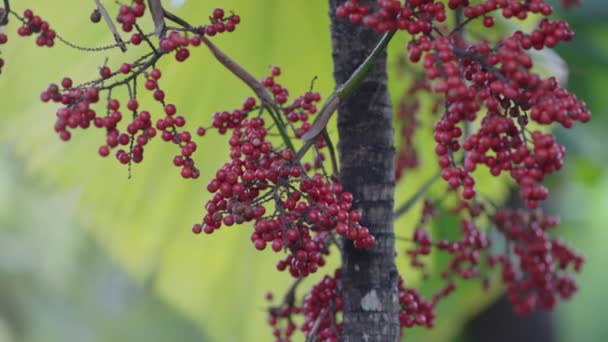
(367,170)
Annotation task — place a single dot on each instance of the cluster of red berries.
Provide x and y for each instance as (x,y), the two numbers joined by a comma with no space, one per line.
(76,111)
(128,14)
(536,268)
(414,17)
(304,213)
(306,208)
(415,310)
(465,252)
(320,309)
(510,8)
(223,121)
(500,80)
(420,16)
(33,24)
(179,43)
(220,23)
(298,111)
(539,275)
(323,305)
(171,128)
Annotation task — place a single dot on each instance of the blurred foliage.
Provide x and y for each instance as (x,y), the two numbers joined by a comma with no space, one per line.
(56,284)
(97,224)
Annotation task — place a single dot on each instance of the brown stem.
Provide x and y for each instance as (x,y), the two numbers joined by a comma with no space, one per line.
(7,9)
(158,17)
(111,25)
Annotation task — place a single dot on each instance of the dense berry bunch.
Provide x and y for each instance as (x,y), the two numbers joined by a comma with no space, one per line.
(33,24)
(76,111)
(129,14)
(415,310)
(536,269)
(323,305)
(220,23)
(535,266)
(320,309)
(129,139)
(502,82)
(306,209)
(414,17)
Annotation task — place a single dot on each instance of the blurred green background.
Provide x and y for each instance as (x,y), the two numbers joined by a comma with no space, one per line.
(87,254)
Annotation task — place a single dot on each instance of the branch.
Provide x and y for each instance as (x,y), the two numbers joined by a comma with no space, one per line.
(410,203)
(256,86)
(313,332)
(111,25)
(7,9)
(341,93)
(158,17)
(332,152)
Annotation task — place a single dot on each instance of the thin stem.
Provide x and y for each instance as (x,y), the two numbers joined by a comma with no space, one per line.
(244,76)
(89,49)
(7,9)
(134,74)
(158,16)
(145,37)
(342,92)
(359,75)
(177,19)
(256,86)
(332,152)
(111,25)
(417,196)
(313,332)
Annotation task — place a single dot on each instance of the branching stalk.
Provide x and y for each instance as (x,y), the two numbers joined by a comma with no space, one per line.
(108,20)
(416,197)
(342,92)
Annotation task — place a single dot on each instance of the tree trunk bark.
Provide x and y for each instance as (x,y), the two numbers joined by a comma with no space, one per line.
(371,308)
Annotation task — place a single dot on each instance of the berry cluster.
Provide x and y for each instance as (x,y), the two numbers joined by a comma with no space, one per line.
(320,309)
(499,79)
(128,14)
(465,252)
(141,129)
(179,43)
(76,111)
(415,310)
(535,267)
(33,24)
(220,23)
(414,16)
(323,305)
(306,208)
